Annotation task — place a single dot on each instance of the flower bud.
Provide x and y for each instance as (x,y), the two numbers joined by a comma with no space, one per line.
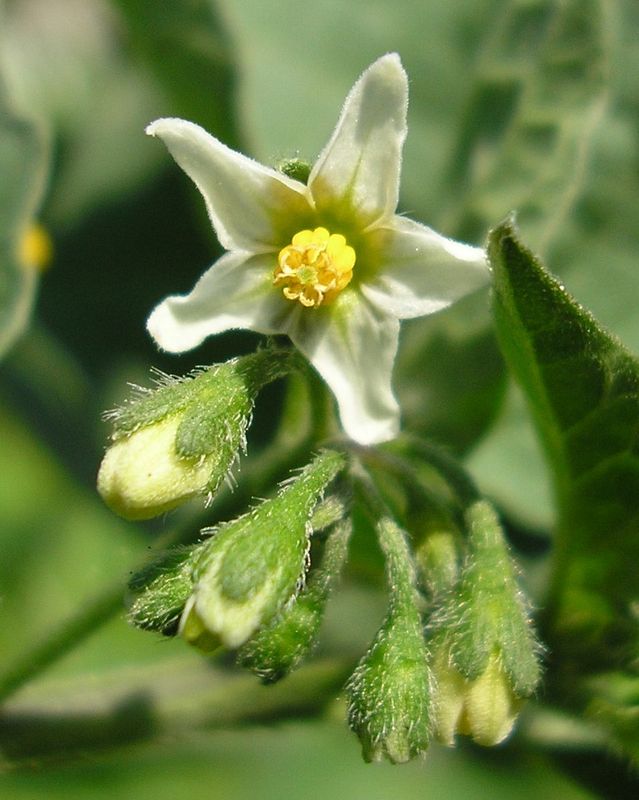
(485,708)
(142,475)
(295,168)
(254,566)
(438,561)
(484,652)
(160,591)
(180,440)
(277,649)
(389,692)
(490,705)
(194,631)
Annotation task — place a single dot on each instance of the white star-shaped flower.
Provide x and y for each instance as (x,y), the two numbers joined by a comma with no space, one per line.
(329,263)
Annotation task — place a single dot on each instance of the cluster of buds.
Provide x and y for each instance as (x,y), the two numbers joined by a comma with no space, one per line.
(455,653)
(248,585)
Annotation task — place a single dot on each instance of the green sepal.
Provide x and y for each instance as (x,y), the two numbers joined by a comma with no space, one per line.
(222,394)
(438,561)
(295,168)
(389,692)
(327,512)
(276,650)
(160,590)
(487,613)
(253,566)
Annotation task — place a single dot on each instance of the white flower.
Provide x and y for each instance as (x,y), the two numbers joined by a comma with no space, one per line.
(329,263)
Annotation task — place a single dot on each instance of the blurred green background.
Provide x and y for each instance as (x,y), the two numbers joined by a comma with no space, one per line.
(515,104)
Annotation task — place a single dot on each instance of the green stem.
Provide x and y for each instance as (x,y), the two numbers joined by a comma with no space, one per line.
(448,467)
(405,472)
(76,629)
(62,640)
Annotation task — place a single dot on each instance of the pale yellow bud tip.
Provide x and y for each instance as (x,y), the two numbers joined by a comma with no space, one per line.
(485,708)
(142,476)
(490,707)
(193,630)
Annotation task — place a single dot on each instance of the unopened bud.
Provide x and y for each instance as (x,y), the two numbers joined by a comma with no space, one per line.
(485,654)
(389,692)
(490,705)
(193,630)
(181,439)
(277,649)
(255,565)
(438,561)
(142,475)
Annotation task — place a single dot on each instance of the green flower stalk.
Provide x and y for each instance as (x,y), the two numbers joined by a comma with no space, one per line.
(253,567)
(181,439)
(389,692)
(484,652)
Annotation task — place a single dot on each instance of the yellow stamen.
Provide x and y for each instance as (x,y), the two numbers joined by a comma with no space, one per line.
(315,267)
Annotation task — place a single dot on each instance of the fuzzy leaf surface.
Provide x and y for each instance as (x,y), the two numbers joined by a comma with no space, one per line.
(582,386)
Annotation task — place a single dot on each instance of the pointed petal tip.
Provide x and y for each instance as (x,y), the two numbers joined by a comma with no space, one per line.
(391,63)
(168,124)
(154,127)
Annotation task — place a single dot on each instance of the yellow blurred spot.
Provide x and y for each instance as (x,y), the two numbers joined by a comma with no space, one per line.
(35,250)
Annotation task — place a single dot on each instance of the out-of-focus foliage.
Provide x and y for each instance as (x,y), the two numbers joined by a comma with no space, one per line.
(528,104)
(23,165)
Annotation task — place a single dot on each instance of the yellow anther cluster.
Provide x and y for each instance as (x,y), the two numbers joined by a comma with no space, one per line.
(315,267)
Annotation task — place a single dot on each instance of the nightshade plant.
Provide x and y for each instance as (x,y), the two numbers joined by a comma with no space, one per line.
(322,545)
(323,258)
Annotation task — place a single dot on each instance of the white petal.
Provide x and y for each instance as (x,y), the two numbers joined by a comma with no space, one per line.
(353,347)
(361,163)
(245,199)
(421,270)
(236,292)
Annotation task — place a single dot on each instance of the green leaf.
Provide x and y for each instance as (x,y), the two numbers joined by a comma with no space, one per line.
(23,166)
(65,64)
(537,96)
(583,390)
